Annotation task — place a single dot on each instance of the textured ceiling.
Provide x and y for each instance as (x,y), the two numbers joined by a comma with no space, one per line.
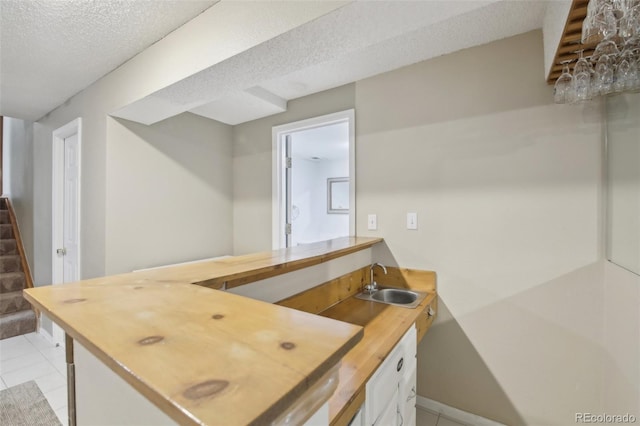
(481,23)
(52,49)
(353,42)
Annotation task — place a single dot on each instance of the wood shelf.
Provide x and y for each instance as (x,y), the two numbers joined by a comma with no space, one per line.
(570,41)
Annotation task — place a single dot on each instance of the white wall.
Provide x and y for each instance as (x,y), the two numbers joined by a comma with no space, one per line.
(507,187)
(18,176)
(309,194)
(168,192)
(252,157)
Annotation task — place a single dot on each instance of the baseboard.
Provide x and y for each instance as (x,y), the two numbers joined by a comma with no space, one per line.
(453,413)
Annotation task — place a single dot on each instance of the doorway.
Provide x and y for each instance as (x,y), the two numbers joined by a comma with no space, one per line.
(67,143)
(314,180)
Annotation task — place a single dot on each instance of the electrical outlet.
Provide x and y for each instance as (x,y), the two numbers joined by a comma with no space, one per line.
(412,220)
(372,222)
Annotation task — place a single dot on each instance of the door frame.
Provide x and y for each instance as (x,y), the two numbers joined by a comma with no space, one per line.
(57,206)
(278,193)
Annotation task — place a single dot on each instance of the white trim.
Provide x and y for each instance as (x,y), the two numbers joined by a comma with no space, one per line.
(277,198)
(453,413)
(57,203)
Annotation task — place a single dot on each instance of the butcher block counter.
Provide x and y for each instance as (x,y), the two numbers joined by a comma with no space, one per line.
(383,326)
(204,356)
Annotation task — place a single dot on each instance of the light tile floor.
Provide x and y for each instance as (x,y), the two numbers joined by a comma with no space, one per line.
(428,418)
(32,357)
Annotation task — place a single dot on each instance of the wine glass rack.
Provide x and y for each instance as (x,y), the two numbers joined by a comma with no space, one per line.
(570,42)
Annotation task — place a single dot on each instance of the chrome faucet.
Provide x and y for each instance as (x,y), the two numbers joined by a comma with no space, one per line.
(372,287)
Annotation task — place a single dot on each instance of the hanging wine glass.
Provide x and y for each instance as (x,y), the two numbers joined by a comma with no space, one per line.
(603,76)
(605,47)
(624,74)
(564,86)
(582,79)
(605,24)
(634,80)
(593,22)
(614,65)
(630,22)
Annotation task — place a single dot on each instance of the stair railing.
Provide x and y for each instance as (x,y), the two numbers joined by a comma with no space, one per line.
(18,238)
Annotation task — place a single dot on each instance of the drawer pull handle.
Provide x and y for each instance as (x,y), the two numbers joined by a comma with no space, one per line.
(400,364)
(430,311)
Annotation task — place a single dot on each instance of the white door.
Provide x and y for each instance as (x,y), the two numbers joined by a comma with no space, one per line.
(288,228)
(66,209)
(308,156)
(70,229)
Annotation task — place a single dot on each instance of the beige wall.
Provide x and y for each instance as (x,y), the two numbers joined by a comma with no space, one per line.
(621,374)
(252,158)
(168,192)
(507,187)
(623,178)
(622,288)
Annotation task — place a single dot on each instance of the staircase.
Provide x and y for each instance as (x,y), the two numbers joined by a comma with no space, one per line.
(16,315)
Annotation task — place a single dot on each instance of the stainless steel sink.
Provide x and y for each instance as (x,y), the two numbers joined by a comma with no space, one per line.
(395,296)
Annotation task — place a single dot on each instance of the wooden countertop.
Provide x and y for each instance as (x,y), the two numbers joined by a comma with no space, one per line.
(200,355)
(384,325)
(235,271)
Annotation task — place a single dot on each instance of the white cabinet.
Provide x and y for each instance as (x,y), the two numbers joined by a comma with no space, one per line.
(389,414)
(391,390)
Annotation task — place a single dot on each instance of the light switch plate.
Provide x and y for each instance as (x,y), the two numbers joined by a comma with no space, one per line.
(372,222)
(412,220)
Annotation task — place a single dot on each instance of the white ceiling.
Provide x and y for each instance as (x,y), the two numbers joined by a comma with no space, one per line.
(355,41)
(52,49)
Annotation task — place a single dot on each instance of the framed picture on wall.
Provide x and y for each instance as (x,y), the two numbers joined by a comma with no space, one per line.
(338,195)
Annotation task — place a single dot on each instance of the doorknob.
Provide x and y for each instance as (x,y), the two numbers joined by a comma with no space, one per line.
(61,251)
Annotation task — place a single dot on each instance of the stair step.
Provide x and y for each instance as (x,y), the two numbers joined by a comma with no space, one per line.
(12,281)
(13,302)
(10,263)
(8,247)
(4,216)
(17,323)
(6,231)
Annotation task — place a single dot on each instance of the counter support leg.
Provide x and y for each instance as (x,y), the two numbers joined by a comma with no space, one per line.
(71,381)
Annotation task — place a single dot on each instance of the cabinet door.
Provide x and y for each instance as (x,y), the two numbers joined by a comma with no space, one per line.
(408,397)
(384,384)
(390,414)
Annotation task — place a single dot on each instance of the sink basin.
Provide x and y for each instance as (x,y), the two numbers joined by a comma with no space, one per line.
(395,296)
